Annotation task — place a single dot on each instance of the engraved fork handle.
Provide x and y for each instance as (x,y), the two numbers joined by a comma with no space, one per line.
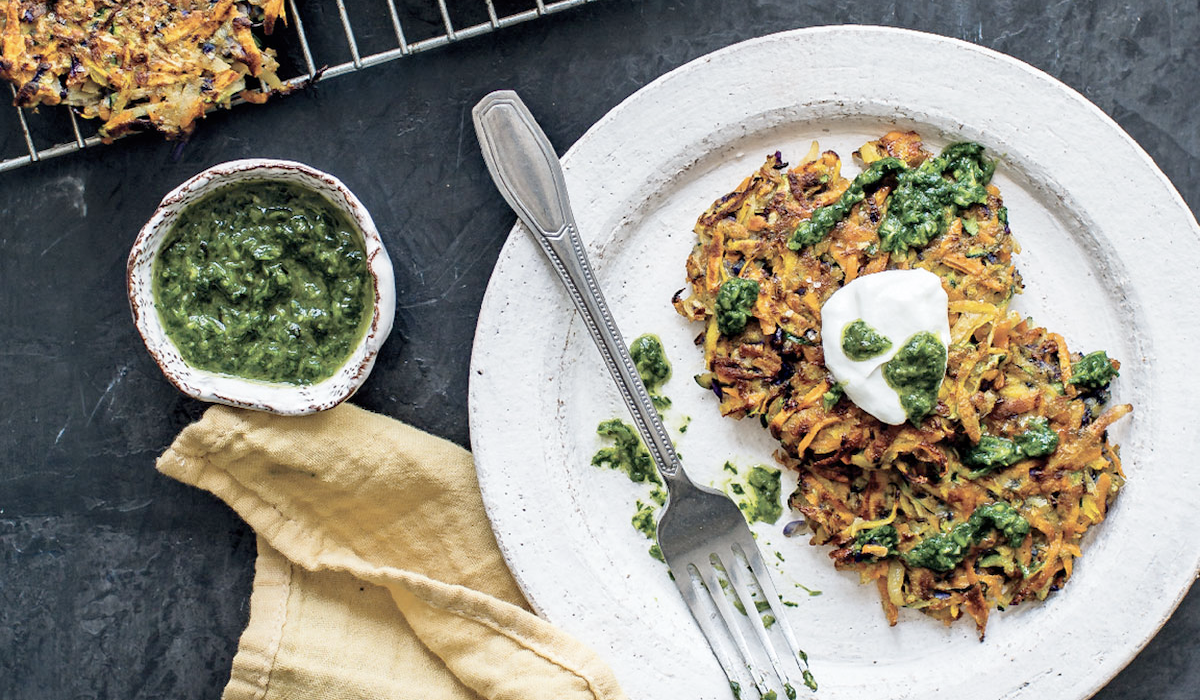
(526,171)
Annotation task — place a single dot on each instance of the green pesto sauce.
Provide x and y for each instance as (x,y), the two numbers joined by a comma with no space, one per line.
(830,398)
(812,592)
(943,551)
(264,280)
(920,207)
(916,372)
(735,304)
(812,230)
(862,342)
(810,681)
(884,536)
(994,452)
(1093,371)
(761,502)
(757,493)
(925,200)
(652,366)
(627,452)
(990,453)
(645,521)
(1038,440)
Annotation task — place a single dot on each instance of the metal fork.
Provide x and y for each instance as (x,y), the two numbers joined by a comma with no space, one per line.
(703,536)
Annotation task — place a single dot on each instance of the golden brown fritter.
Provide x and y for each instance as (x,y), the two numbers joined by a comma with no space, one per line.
(139,63)
(888,499)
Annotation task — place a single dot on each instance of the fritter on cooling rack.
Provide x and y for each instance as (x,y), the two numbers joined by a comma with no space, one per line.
(984,502)
(139,63)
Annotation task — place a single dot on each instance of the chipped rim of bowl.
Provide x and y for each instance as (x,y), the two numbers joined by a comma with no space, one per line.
(283,399)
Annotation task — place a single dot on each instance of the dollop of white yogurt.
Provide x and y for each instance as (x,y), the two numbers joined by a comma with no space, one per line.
(898,304)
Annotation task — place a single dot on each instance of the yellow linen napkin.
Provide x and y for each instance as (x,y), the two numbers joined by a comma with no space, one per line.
(378,575)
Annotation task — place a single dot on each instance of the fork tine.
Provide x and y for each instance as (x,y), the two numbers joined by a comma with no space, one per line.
(730,617)
(692,587)
(741,583)
(762,578)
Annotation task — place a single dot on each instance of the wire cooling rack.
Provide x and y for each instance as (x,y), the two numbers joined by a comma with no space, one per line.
(322,55)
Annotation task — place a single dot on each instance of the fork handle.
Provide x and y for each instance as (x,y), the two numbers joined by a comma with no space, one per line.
(527,172)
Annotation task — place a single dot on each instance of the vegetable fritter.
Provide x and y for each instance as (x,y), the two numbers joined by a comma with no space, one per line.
(984,502)
(139,64)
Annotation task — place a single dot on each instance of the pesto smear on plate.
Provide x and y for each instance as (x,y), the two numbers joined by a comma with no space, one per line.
(648,356)
(264,280)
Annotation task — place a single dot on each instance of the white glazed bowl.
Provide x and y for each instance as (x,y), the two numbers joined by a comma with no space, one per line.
(285,399)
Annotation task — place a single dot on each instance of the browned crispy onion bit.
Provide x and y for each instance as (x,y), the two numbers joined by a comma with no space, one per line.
(856,473)
(138,64)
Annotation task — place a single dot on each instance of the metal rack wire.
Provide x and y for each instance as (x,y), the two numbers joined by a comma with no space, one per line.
(314,70)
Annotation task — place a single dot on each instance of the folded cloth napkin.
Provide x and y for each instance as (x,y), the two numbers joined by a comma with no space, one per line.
(378,575)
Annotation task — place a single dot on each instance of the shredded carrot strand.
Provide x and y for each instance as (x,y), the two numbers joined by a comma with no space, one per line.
(812,433)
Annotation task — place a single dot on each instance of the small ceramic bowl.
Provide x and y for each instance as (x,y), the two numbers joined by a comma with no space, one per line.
(285,399)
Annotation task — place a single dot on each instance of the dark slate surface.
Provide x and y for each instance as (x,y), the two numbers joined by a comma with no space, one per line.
(116,582)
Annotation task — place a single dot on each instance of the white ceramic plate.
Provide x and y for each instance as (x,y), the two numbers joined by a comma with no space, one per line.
(1107,250)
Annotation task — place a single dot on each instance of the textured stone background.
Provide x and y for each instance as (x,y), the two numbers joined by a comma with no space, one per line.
(116,582)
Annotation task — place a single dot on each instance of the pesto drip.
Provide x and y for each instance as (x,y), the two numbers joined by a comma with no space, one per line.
(944,551)
(645,520)
(735,304)
(814,229)
(1094,371)
(920,207)
(862,342)
(628,453)
(652,366)
(916,373)
(757,494)
(925,201)
(994,452)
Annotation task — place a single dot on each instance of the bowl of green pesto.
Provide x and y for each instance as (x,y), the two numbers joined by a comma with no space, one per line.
(262,284)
